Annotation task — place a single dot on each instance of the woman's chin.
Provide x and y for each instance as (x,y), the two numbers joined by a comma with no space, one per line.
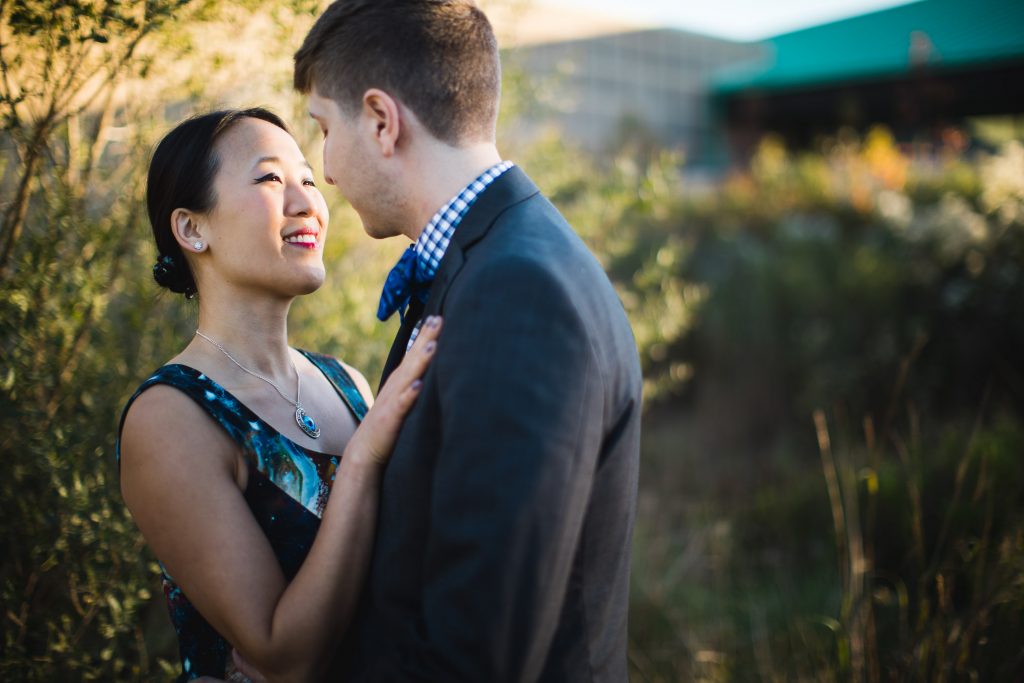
(312,281)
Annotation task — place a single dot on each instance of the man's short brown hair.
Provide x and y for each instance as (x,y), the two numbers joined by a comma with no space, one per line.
(438,57)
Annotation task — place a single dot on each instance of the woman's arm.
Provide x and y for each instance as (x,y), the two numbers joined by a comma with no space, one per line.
(179,479)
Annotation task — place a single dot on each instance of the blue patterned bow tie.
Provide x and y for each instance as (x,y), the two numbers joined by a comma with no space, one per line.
(404,282)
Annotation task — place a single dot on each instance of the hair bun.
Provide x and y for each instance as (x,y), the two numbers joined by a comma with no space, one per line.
(168,273)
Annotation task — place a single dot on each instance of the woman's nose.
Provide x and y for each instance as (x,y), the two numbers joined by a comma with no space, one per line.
(301,202)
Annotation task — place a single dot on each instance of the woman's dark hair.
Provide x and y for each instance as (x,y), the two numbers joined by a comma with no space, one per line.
(181,176)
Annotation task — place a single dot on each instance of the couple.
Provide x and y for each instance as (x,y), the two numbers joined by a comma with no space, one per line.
(475,523)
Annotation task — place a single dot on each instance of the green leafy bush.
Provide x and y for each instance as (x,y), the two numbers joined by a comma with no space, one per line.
(882,294)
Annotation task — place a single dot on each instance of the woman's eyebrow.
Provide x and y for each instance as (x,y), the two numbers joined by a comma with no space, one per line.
(278,161)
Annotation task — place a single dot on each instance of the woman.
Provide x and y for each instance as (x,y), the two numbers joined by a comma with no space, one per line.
(228,453)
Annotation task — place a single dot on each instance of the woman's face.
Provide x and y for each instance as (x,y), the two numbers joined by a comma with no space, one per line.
(266,230)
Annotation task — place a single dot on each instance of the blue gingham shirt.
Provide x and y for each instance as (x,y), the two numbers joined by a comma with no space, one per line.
(437,235)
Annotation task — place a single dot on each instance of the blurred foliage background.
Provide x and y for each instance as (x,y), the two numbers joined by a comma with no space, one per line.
(831,481)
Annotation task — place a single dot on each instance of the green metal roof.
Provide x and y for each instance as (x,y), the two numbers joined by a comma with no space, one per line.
(938,34)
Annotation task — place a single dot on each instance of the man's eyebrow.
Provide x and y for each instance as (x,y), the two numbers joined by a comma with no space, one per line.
(277,160)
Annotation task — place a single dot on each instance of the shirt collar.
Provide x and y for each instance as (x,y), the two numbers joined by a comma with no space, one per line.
(436,236)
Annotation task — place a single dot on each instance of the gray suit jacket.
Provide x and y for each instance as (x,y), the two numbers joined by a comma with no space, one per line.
(503,541)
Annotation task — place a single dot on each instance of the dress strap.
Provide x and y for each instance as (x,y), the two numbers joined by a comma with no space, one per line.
(234,417)
(241,424)
(341,381)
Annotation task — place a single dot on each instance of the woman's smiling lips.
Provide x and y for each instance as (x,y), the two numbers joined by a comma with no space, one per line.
(306,238)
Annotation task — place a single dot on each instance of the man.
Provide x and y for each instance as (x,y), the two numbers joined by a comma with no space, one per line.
(506,512)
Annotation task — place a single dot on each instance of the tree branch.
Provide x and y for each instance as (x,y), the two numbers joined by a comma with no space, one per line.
(14,216)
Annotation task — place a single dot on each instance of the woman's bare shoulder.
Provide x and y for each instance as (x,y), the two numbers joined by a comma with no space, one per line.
(165,425)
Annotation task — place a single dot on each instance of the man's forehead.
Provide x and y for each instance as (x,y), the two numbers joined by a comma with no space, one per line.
(321,105)
(315,105)
(314,96)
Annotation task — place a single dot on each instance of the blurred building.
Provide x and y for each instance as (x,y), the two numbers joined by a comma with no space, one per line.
(600,81)
(922,69)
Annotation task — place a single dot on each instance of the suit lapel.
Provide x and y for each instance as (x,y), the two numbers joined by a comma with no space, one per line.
(511,187)
(397,353)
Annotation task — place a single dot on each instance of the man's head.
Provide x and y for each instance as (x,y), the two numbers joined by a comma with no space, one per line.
(406,93)
(439,58)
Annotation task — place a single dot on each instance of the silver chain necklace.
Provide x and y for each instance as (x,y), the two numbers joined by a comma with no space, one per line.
(306,423)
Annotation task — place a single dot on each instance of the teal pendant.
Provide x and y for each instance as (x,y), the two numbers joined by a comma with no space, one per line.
(307,424)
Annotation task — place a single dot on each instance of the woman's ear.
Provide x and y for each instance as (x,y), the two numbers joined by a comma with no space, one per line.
(187,231)
(383,114)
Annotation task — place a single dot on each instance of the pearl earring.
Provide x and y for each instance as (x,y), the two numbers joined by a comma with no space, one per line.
(198,245)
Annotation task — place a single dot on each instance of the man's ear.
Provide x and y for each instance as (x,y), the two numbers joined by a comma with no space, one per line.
(384,116)
(187,231)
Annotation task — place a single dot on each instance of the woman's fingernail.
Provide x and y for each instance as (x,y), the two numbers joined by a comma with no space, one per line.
(434,321)
(416,385)
(429,348)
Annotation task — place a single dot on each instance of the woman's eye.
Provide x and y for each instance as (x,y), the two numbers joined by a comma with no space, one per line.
(269,176)
(309,181)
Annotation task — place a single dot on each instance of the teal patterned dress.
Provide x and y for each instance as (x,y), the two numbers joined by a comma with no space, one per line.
(287,491)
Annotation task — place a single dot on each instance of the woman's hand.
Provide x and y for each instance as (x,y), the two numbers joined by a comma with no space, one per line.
(375,438)
(245,671)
